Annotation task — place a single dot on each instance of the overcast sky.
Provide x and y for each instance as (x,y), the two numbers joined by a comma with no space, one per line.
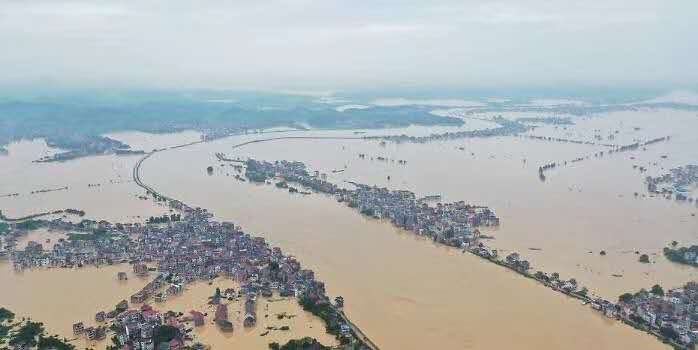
(321,45)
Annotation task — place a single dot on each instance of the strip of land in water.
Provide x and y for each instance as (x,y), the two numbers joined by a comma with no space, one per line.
(145,186)
(382,203)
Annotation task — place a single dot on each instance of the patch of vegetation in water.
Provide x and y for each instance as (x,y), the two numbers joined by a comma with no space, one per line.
(682,255)
(4,228)
(28,225)
(323,310)
(96,235)
(306,343)
(27,334)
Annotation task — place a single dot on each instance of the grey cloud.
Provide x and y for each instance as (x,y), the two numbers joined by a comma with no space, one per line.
(284,44)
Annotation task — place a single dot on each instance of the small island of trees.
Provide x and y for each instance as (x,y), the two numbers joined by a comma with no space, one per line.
(682,255)
(26,334)
(306,343)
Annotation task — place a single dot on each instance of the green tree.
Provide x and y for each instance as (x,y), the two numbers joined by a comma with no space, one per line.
(4,228)
(164,333)
(306,343)
(6,314)
(669,333)
(28,334)
(541,276)
(28,225)
(53,342)
(625,298)
(657,290)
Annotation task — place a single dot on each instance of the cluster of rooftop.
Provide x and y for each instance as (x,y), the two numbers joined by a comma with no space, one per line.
(455,224)
(671,315)
(678,182)
(181,252)
(142,328)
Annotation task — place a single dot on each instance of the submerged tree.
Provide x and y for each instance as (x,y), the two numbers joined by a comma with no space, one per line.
(625,298)
(657,290)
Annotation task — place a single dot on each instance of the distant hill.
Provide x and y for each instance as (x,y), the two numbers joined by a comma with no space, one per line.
(70,121)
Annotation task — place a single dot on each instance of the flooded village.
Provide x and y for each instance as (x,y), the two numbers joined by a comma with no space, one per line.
(342,175)
(180,253)
(669,314)
(455,224)
(680,182)
(672,318)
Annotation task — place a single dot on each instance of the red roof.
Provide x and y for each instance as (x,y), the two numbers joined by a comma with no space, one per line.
(150,313)
(175,344)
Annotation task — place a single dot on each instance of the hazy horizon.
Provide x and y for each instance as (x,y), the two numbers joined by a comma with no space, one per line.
(341,45)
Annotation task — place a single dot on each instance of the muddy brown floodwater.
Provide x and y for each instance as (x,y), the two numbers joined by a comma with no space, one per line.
(435,296)
(406,292)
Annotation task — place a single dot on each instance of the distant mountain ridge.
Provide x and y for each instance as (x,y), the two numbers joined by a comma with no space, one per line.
(71,124)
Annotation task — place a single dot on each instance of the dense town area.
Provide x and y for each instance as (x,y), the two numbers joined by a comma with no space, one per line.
(671,316)
(454,224)
(677,182)
(187,248)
